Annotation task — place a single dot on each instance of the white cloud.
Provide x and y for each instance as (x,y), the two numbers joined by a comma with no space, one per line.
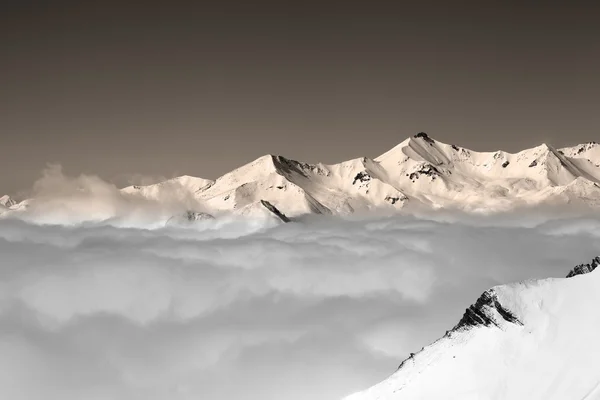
(61,199)
(309,310)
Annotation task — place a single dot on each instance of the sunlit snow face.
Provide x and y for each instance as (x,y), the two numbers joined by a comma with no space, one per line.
(310,310)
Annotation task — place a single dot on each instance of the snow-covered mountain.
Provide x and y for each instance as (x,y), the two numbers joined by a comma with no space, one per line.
(530,340)
(444,175)
(420,173)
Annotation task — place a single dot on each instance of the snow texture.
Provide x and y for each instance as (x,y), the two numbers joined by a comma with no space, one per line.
(529,340)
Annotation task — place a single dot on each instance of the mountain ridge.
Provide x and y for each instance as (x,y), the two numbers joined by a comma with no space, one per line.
(420,172)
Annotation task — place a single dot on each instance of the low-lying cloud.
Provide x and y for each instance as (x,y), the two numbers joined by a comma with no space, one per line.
(314,309)
(57,198)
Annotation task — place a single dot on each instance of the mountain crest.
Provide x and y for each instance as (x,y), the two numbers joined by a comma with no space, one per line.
(418,173)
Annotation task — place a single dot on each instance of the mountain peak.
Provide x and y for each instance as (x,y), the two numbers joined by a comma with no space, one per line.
(424,136)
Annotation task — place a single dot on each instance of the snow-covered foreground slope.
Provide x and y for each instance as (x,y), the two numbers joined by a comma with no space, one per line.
(531,340)
(418,174)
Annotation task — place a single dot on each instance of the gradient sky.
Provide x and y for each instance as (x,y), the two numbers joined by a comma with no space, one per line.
(169,88)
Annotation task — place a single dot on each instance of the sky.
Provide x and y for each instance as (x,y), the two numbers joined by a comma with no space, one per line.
(135,92)
(119,308)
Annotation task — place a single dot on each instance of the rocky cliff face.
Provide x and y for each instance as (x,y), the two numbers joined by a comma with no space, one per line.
(486,311)
(275,211)
(584,268)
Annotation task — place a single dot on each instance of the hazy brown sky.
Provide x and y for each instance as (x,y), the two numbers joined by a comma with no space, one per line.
(162,88)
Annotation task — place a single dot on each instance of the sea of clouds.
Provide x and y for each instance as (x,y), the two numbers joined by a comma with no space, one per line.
(111,304)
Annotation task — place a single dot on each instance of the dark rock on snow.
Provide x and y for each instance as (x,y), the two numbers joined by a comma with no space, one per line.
(275,211)
(584,268)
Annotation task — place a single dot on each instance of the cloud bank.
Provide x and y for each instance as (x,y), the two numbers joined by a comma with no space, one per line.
(224,310)
(60,199)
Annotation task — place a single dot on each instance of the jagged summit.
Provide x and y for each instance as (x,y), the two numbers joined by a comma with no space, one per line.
(582,269)
(418,173)
(484,312)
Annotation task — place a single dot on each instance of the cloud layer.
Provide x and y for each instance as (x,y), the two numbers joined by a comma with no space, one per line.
(310,310)
(57,198)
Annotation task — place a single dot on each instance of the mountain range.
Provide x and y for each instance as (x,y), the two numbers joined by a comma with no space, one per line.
(419,173)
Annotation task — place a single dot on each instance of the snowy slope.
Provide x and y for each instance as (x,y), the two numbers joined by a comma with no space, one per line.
(262,179)
(420,172)
(182,186)
(530,340)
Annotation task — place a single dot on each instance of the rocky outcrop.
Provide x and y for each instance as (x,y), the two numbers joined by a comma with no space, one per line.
(189,217)
(485,312)
(394,199)
(427,170)
(584,268)
(275,211)
(425,137)
(361,177)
